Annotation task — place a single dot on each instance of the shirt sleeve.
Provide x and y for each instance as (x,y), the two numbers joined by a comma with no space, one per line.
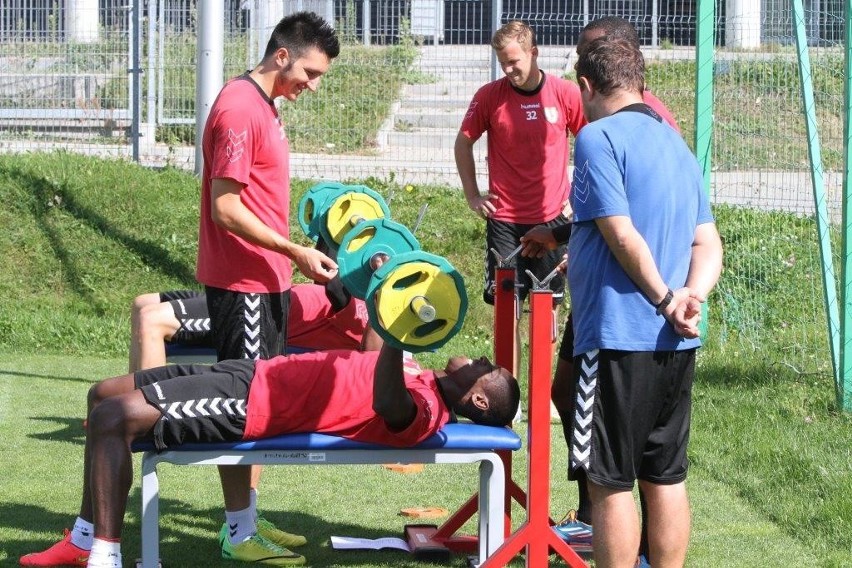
(476,119)
(233,140)
(598,184)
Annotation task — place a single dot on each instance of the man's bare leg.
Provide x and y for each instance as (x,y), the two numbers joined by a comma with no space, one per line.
(113,425)
(152,323)
(616,522)
(236,481)
(139,303)
(668,523)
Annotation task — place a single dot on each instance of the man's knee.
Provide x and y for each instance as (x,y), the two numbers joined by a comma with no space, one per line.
(158,320)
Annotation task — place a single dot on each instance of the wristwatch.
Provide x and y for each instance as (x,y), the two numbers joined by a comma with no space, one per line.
(664,303)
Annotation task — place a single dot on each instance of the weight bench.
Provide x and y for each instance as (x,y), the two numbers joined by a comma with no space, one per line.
(179,353)
(457,443)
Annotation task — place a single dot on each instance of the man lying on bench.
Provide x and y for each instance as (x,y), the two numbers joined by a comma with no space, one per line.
(375,397)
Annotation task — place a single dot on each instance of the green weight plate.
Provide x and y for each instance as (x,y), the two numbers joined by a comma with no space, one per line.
(313,205)
(377,236)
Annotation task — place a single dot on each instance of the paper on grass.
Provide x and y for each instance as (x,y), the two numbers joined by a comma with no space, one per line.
(354,543)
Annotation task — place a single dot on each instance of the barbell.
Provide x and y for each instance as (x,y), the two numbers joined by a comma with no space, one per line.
(416,301)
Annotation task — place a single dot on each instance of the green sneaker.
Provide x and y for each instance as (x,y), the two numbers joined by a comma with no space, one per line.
(258,550)
(272,533)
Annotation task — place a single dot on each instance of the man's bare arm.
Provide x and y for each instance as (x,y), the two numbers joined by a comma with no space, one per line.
(706,264)
(391,399)
(229,212)
(634,256)
(465,164)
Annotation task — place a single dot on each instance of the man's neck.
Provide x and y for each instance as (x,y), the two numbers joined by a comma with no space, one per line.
(617,101)
(536,77)
(263,78)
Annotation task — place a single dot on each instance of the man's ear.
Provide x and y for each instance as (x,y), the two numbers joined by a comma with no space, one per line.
(480,401)
(282,56)
(584,84)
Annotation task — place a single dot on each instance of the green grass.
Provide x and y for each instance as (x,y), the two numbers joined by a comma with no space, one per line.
(771,476)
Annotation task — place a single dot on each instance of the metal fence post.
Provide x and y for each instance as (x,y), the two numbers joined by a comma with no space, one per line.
(135,75)
(496,22)
(211,61)
(365,8)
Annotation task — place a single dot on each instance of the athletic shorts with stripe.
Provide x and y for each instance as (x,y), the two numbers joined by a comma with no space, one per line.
(190,308)
(632,416)
(504,237)
(199,403)
(248,325)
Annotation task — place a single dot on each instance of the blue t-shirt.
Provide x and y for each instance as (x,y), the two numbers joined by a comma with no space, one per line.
(632,165)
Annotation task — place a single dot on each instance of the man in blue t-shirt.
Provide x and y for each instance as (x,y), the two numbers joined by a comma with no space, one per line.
(644,253)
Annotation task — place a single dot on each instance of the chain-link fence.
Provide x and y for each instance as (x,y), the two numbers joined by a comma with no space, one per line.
(390,107)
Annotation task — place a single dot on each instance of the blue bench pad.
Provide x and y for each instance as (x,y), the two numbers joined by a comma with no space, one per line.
(455,436)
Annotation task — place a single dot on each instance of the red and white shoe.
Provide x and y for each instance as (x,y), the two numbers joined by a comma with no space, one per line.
(63,553)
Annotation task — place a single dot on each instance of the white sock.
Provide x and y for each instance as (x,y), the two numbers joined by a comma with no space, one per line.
(253,502)
(241,525)
(82,534)
(105,554)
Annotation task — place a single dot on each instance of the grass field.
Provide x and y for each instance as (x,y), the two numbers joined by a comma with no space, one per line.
(771,476)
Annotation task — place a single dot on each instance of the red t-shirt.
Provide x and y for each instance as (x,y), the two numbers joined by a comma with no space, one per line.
(312,323)
(528,149)
(652,101)
(245,141)
(331,392)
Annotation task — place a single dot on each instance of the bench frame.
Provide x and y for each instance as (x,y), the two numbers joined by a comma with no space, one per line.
(491,476)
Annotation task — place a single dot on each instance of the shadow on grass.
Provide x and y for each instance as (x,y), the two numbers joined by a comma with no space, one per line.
(46,194)
(181,545)
(19,374)
(70,429)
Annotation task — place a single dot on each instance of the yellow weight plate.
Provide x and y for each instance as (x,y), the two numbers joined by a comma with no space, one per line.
(407,286)
(350,208)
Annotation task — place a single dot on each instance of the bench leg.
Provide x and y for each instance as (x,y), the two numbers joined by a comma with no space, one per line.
(492,490)
(150,511)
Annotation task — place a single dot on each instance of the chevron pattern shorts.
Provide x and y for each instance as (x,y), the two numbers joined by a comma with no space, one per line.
(632,415)
(248,325)
(199,403)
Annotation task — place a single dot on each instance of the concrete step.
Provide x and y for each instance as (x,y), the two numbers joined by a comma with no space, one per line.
(441,139)
(416,118)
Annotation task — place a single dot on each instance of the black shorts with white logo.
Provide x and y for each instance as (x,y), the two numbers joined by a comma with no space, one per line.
(504,237)
(190,308)
(199,403)
(248,325)
(632,416)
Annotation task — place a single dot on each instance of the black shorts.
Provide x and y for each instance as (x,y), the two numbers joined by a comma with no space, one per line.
(190,308)
(504,237)
(199,403)
(248,325)
(566,348)
(632,416)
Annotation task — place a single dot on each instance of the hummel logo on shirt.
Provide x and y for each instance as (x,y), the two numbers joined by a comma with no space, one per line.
(236,145)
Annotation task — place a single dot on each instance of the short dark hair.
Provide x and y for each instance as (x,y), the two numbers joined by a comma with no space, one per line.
(503,399)
(301,31)
(615,27)
(612,64)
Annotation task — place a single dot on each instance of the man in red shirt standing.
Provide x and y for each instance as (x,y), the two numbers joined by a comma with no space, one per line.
(527,115)
(244,251)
